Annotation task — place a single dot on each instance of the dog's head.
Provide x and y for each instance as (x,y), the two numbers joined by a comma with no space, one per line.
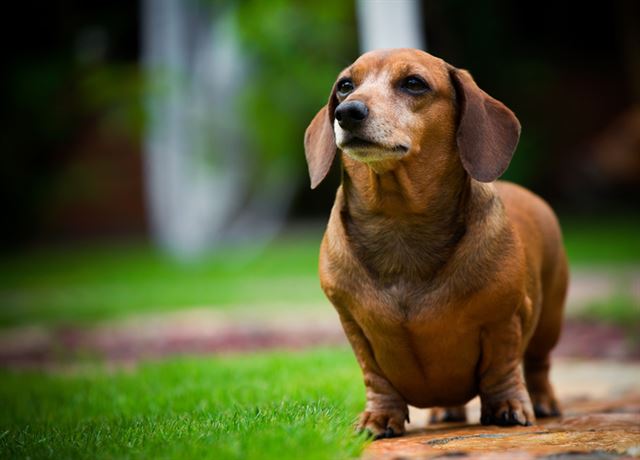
(393,104)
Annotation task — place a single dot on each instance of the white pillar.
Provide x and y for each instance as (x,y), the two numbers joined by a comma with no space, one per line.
(193,157)
(390,24)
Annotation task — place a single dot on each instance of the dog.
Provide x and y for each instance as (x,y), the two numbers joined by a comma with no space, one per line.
(448,285)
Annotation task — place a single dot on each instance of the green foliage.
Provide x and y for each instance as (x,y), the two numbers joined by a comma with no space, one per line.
(525,165)
(296,50)
(610,239)
(269,406)
(114,91)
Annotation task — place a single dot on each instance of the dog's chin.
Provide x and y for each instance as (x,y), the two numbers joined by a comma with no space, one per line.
(368,152)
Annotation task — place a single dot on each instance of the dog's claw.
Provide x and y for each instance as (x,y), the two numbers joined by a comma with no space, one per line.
(367,433)
(388,433)
(516,418)
(546,409)
(381,425)
(508,413)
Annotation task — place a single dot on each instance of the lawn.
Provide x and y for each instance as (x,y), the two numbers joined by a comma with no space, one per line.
(89,283)
(608,240)
(271,406)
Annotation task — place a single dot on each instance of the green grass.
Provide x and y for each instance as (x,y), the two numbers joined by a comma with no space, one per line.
(271,406)
(85,284)
(620,310)
(608,240)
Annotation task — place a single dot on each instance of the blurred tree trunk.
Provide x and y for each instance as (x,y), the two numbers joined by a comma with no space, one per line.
(200,172)
(390,24)
(191,174)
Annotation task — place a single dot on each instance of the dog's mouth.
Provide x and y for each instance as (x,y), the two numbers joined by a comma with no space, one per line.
(360,144)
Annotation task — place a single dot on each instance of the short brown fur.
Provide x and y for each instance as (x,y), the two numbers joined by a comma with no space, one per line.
(444,281)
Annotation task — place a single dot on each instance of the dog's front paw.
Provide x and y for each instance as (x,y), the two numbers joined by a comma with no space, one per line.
(507,413)
(382,423)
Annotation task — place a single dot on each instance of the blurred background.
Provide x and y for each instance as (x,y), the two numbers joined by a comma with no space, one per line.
(153,157)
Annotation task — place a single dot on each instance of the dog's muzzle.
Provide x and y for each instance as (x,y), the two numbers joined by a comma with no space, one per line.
(351,114)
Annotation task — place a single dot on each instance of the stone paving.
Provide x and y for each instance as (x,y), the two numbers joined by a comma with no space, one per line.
(601,404)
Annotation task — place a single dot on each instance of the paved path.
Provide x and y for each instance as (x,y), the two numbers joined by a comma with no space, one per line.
(601,402)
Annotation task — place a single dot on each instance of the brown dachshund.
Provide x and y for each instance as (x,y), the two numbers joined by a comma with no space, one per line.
(444,280)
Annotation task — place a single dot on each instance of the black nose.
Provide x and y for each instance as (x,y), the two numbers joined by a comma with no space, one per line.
(351,114)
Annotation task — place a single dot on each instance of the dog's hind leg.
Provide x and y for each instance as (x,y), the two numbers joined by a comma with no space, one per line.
(448,414)
(537,358)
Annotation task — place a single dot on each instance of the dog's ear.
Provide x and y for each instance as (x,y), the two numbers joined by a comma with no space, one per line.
(488,132)
(320,142)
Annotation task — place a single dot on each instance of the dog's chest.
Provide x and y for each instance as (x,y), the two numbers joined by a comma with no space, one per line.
(399,257)
(409,315)
(415,335)
(404,299)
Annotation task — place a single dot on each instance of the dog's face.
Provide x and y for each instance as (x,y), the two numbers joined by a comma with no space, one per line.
(391,105)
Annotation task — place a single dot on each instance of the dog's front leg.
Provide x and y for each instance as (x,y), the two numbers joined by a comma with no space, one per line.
(503,394)
(385,411)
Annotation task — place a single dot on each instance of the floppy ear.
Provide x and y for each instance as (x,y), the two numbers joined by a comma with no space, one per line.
(320,143)
(488,132)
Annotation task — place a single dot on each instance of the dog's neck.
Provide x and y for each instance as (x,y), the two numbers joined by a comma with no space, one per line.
(405,220)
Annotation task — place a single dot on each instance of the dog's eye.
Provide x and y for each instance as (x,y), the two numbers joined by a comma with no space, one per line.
(414,85)
(344,87)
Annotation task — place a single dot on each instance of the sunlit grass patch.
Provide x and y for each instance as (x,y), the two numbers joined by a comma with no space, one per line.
(263,406)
